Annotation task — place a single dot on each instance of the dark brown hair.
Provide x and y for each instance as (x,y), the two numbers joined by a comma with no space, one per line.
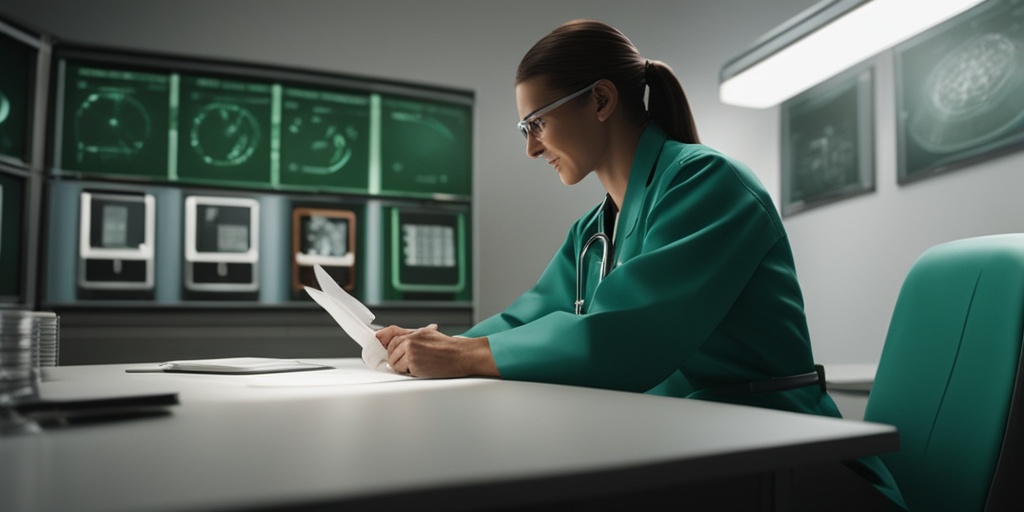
(580,52)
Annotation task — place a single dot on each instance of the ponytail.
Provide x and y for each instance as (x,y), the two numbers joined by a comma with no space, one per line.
(667,103)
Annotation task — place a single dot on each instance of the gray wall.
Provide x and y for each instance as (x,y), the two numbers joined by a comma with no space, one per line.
(851,255)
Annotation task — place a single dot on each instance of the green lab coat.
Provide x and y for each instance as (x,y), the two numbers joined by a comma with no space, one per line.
(703,293)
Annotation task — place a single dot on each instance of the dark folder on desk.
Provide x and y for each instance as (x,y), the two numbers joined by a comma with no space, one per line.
(46,411)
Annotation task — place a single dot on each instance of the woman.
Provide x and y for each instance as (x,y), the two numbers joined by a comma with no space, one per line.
(701,299)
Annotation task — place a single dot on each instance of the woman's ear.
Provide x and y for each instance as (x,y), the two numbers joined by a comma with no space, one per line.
(607,96)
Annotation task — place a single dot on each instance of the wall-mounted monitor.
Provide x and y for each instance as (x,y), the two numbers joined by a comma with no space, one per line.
(117,233)
(225,131)
(325,139)
(958,91)
(12,189)
(426,147)
(428,254)
(325,237)
(19,54)
(221,245)
(114,120)
(189,121)
(828,142)
(218,143)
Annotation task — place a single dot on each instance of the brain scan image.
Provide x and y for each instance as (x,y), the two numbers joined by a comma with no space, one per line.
(971,95)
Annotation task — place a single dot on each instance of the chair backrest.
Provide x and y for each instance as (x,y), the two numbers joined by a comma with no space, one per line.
(949,375)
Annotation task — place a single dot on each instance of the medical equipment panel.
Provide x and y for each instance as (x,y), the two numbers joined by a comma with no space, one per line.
(117,234)
(256,173)
(221,245)
(428,253)
(325,237)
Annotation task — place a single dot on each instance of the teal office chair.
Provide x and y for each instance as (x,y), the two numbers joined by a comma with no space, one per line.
(950,378)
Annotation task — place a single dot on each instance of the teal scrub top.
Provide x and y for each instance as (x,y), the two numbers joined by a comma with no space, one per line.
(702,293)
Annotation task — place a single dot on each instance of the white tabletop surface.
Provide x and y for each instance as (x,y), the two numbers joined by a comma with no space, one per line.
(850,376)
(337,436)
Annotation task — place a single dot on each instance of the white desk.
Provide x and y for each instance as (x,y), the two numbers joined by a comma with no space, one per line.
(466,444)
(850,384)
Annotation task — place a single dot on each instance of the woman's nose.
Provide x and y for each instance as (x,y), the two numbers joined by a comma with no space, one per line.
(534,148)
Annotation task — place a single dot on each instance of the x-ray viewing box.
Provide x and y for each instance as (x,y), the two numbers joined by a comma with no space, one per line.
(327,237)
(221,244)
(116,234)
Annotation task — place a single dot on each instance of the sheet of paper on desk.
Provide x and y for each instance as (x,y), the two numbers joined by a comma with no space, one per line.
(240,365)
(230,365)
(353,317)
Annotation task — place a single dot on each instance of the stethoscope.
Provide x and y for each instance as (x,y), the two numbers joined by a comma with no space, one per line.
(606,245)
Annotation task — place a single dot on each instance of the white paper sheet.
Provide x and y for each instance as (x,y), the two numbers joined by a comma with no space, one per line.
(331,288)
(355,323)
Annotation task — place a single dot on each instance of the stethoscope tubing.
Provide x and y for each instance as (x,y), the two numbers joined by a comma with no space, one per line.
(605,247)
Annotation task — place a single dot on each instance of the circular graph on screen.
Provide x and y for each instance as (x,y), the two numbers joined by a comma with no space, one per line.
(972,95)
(224,134)
(111,123)
(5,107)
(318,146)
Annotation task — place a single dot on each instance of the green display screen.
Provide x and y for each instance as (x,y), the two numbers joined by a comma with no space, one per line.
(429,254)
(225,131)
(164,121)
(325,139)
(11,190)
(17,81)
(426,147)
(115,121)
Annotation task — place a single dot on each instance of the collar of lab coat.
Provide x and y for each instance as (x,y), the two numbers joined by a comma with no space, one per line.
(640,176)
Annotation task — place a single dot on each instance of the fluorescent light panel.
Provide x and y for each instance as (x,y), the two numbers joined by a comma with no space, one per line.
(863,30)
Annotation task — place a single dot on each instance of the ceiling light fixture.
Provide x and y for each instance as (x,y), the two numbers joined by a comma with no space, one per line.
(827,38)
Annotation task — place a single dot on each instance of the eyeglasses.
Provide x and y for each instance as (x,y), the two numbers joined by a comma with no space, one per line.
(532,124)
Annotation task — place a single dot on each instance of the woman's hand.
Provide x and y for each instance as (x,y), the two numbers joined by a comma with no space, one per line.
(427,352)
